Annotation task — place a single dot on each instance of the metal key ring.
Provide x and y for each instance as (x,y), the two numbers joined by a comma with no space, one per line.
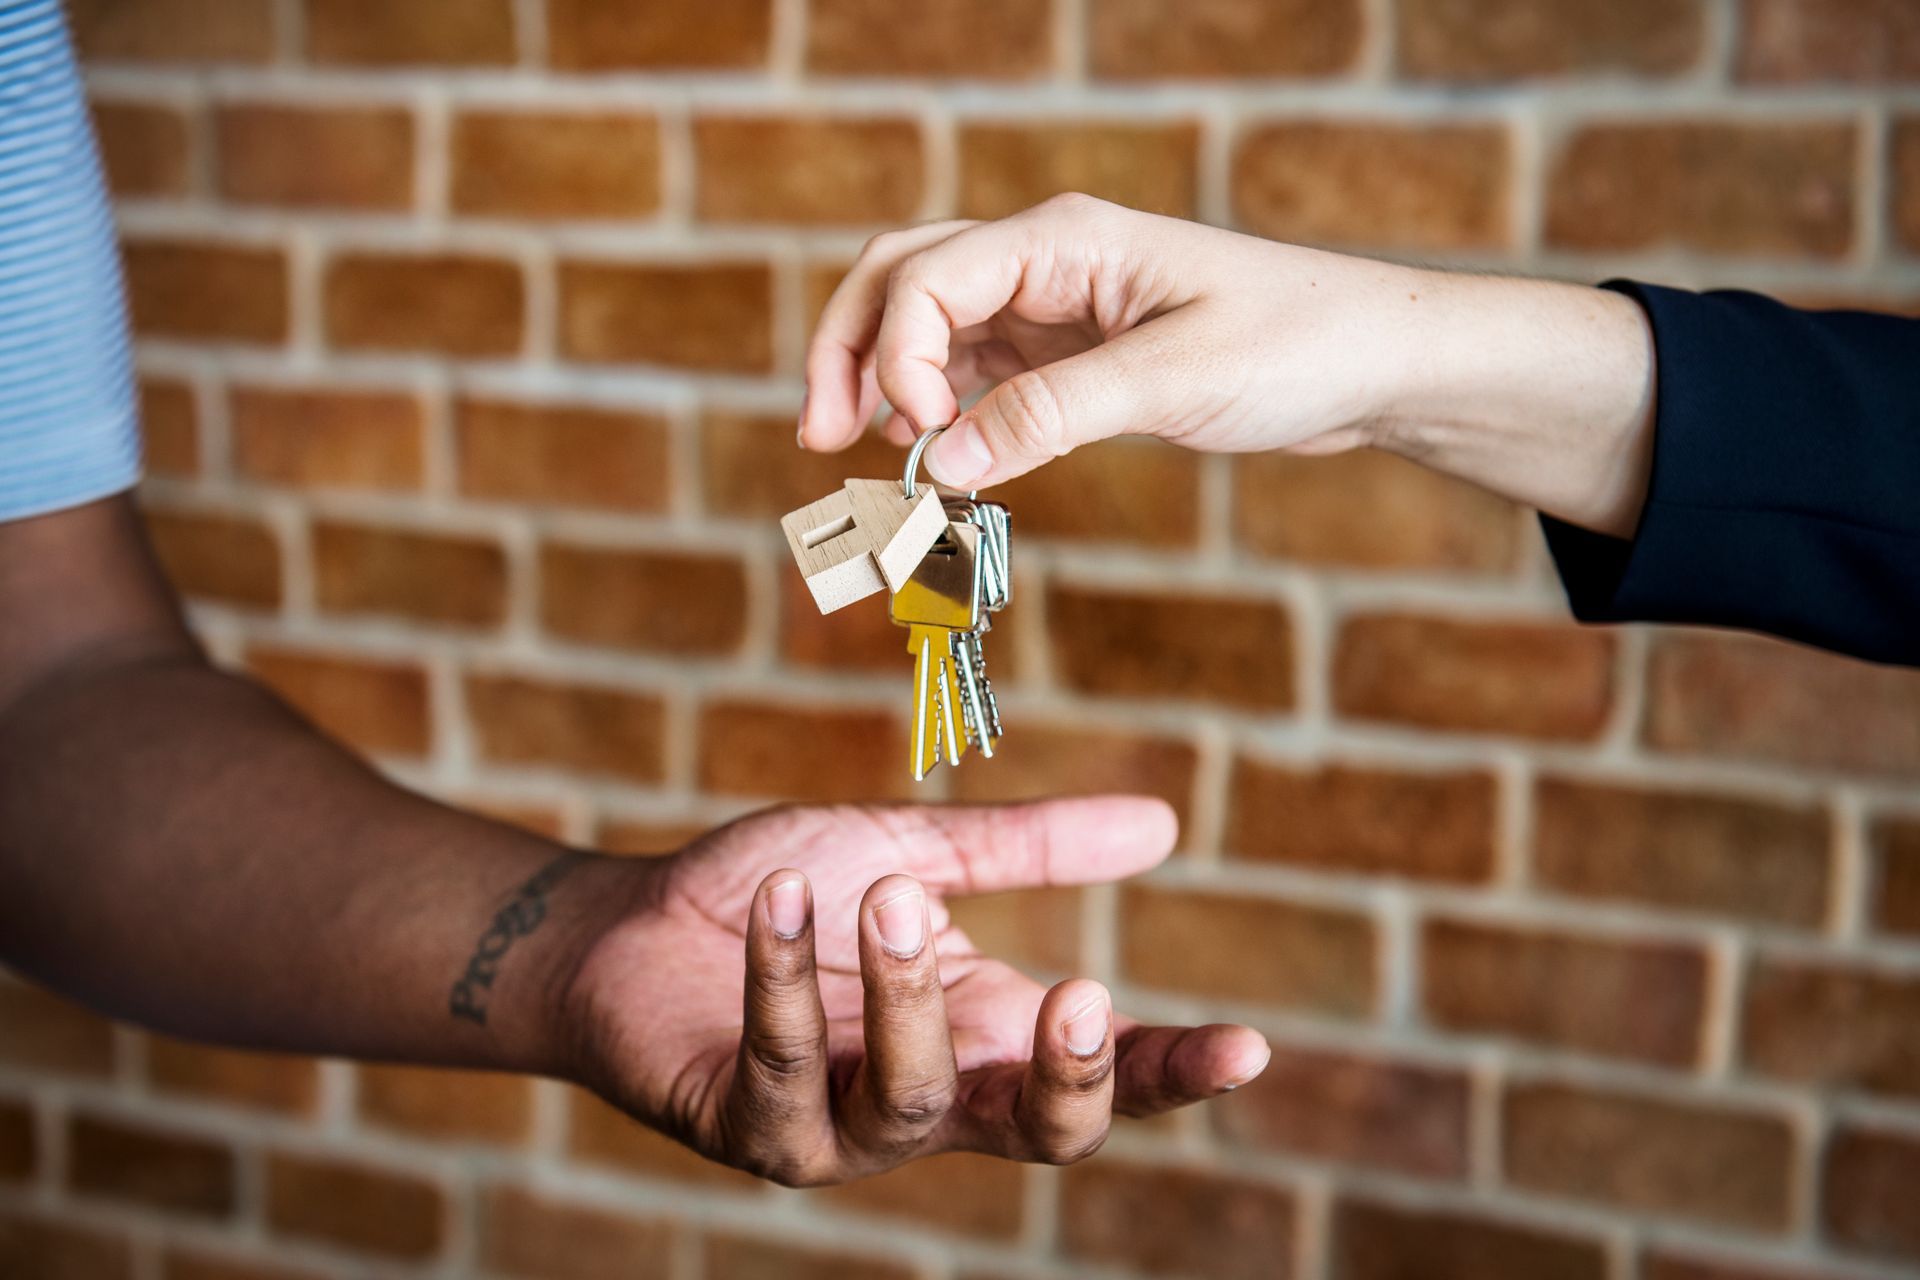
(913,458)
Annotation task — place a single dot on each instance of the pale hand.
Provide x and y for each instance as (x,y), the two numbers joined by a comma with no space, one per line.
(1088,320)
(894,1052)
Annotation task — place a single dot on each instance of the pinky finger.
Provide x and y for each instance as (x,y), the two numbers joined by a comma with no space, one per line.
(1161,1068)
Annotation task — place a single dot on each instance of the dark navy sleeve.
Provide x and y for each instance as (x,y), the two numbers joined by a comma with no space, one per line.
(1785,494)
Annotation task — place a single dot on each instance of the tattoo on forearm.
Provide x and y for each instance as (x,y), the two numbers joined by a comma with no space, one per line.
(524,913)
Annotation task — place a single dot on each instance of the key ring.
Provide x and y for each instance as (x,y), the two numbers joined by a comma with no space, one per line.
(913,458)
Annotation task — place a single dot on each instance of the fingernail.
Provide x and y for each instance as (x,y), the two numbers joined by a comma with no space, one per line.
(787,908)
(959,457)
(903,923)
(1251,1073)
(1086,1027)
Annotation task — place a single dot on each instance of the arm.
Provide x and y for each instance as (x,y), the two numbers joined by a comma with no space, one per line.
(1734,442)
(178,848)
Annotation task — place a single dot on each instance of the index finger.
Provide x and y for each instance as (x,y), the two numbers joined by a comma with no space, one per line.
(830,418)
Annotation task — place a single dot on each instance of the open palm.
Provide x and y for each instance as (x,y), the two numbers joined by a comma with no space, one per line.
(851,1051)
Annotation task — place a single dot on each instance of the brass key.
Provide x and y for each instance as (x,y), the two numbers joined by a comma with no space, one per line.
(939,604)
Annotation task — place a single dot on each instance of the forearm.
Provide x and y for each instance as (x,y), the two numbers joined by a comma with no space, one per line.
(1539,391)
(181,850)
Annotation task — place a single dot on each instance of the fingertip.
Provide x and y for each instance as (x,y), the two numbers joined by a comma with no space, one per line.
(1244,1055)
(960,458)
(787,902)
(1079,1013)
(897,905)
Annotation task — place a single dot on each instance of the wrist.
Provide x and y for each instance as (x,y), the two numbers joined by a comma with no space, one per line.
(1539,391)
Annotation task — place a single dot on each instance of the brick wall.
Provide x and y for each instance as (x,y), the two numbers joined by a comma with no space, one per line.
(470,341)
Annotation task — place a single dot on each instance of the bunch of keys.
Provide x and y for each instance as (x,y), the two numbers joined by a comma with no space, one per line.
(946,562)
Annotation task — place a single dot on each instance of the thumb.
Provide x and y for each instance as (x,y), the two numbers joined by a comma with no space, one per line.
(1126,385)
(1074,840)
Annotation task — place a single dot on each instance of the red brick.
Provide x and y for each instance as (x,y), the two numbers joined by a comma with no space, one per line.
(747,749)
(19,1153)
(542,819)
(1867,1195)
(1836,1026)
(1665,1265)
(234,559)
(272,1082)
(1781,189)
(1122,491)
(1209,648)
(1763,700)
(469,1105)
(1534,680)
(655,601)
(42,1032)
(526,1234)
(738,1258)
(1037,760)
(1370,510)
(170,427)
(552,164)
(1176,1221)
(1260,950)
(378,33)
(647,836)
(1457,40)
(1428,826)
(1378,1241)
(1399,1116)
(1737,857)
(327,438)
(173,30)
(1033,929)
(846,640)
(48,1250)
(749,466)
(1648,1156)
(565,454)
(706,316)
(608,35)
(965,1194)
(1151,39)
(181,289)
(1815,41)
(373,705)
(455,304)
(596,730)
(354,1206)
(1642,1001)
(810,171)
(363,569)
(1896,898)
(1905,162)
(972,39)
(158,1168)
(143,146)
(1005,168)
(182,1264)
(315,157)
(1376,184)
(599,1135)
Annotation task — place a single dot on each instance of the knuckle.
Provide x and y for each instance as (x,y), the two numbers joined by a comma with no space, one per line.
(918,1104)
(784,1056)
(1030,411)
(1071,1149)
(1075,204)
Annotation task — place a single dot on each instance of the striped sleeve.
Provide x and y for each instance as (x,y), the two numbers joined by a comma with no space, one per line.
(68,426)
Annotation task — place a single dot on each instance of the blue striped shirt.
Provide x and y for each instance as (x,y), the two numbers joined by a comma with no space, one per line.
(69,432)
